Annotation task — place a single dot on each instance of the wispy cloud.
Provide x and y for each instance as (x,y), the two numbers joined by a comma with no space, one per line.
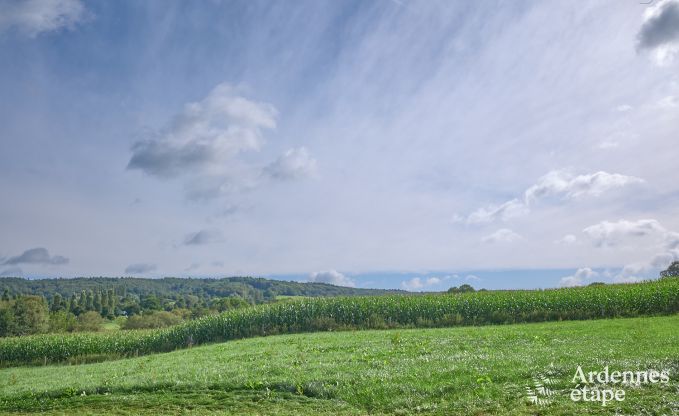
(293,164)
(33,17)
(503,235)
(203,237)
(557,184)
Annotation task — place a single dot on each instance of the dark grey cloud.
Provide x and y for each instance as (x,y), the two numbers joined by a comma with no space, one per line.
(37,255)
(12,272)
(140,268)
(165,160)
(203,237)
(661,27)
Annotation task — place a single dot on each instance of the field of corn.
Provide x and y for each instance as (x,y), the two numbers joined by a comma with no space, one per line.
(658,297)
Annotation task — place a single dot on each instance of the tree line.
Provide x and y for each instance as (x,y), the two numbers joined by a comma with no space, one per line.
(85,304)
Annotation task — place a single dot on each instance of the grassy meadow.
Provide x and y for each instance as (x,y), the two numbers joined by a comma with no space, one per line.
(446,371)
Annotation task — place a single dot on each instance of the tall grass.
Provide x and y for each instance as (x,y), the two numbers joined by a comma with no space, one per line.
(435,310)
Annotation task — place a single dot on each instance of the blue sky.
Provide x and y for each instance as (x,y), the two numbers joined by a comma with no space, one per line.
(404,144)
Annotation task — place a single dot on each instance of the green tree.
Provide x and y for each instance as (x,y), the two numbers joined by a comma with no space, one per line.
(97,302)
(5,295)
(112,301)
(6,322)
(31,315)
(462,289)
(89,301)
(62,321)
(151,303)
(73,304)
(82,301)
(57,303)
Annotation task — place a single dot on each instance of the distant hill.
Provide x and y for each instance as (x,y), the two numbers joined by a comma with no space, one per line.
(256,289)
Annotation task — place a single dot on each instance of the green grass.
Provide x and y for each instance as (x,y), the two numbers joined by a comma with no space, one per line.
(454,371)
(308,315)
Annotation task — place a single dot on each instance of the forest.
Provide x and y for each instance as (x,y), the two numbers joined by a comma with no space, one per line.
(34,306)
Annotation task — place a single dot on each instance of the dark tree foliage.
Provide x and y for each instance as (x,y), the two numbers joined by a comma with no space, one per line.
(462,289)
(672,270)
(31,315)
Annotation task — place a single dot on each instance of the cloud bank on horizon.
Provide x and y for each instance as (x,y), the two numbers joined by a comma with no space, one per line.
(210,139)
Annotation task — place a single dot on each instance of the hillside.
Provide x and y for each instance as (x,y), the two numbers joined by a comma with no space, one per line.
(454,371)
(245,287)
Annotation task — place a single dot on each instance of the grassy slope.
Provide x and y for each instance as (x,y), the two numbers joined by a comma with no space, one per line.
(471,370)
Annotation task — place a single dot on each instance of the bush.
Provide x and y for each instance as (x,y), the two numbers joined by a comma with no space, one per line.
(89,321)
(160,319)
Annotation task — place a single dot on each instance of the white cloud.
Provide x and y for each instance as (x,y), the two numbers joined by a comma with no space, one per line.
(33,17)
(623,108)
(205,143)
(472,278)
(206,135)
(503,235)
(332,277)
(293,164)
(562,184)
(417,283)
(659,34)
(559,184)
(567,239)
(508,210)
(624,232)
(607,233)
(669,102)
(608,144)
(581,277)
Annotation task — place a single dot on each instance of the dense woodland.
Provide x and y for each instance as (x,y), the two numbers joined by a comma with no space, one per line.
(85,304)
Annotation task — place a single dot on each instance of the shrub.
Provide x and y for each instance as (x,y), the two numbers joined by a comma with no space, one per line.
(89,321)
(160,319)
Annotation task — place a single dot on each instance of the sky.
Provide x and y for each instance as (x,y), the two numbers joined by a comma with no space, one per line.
(395,144)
